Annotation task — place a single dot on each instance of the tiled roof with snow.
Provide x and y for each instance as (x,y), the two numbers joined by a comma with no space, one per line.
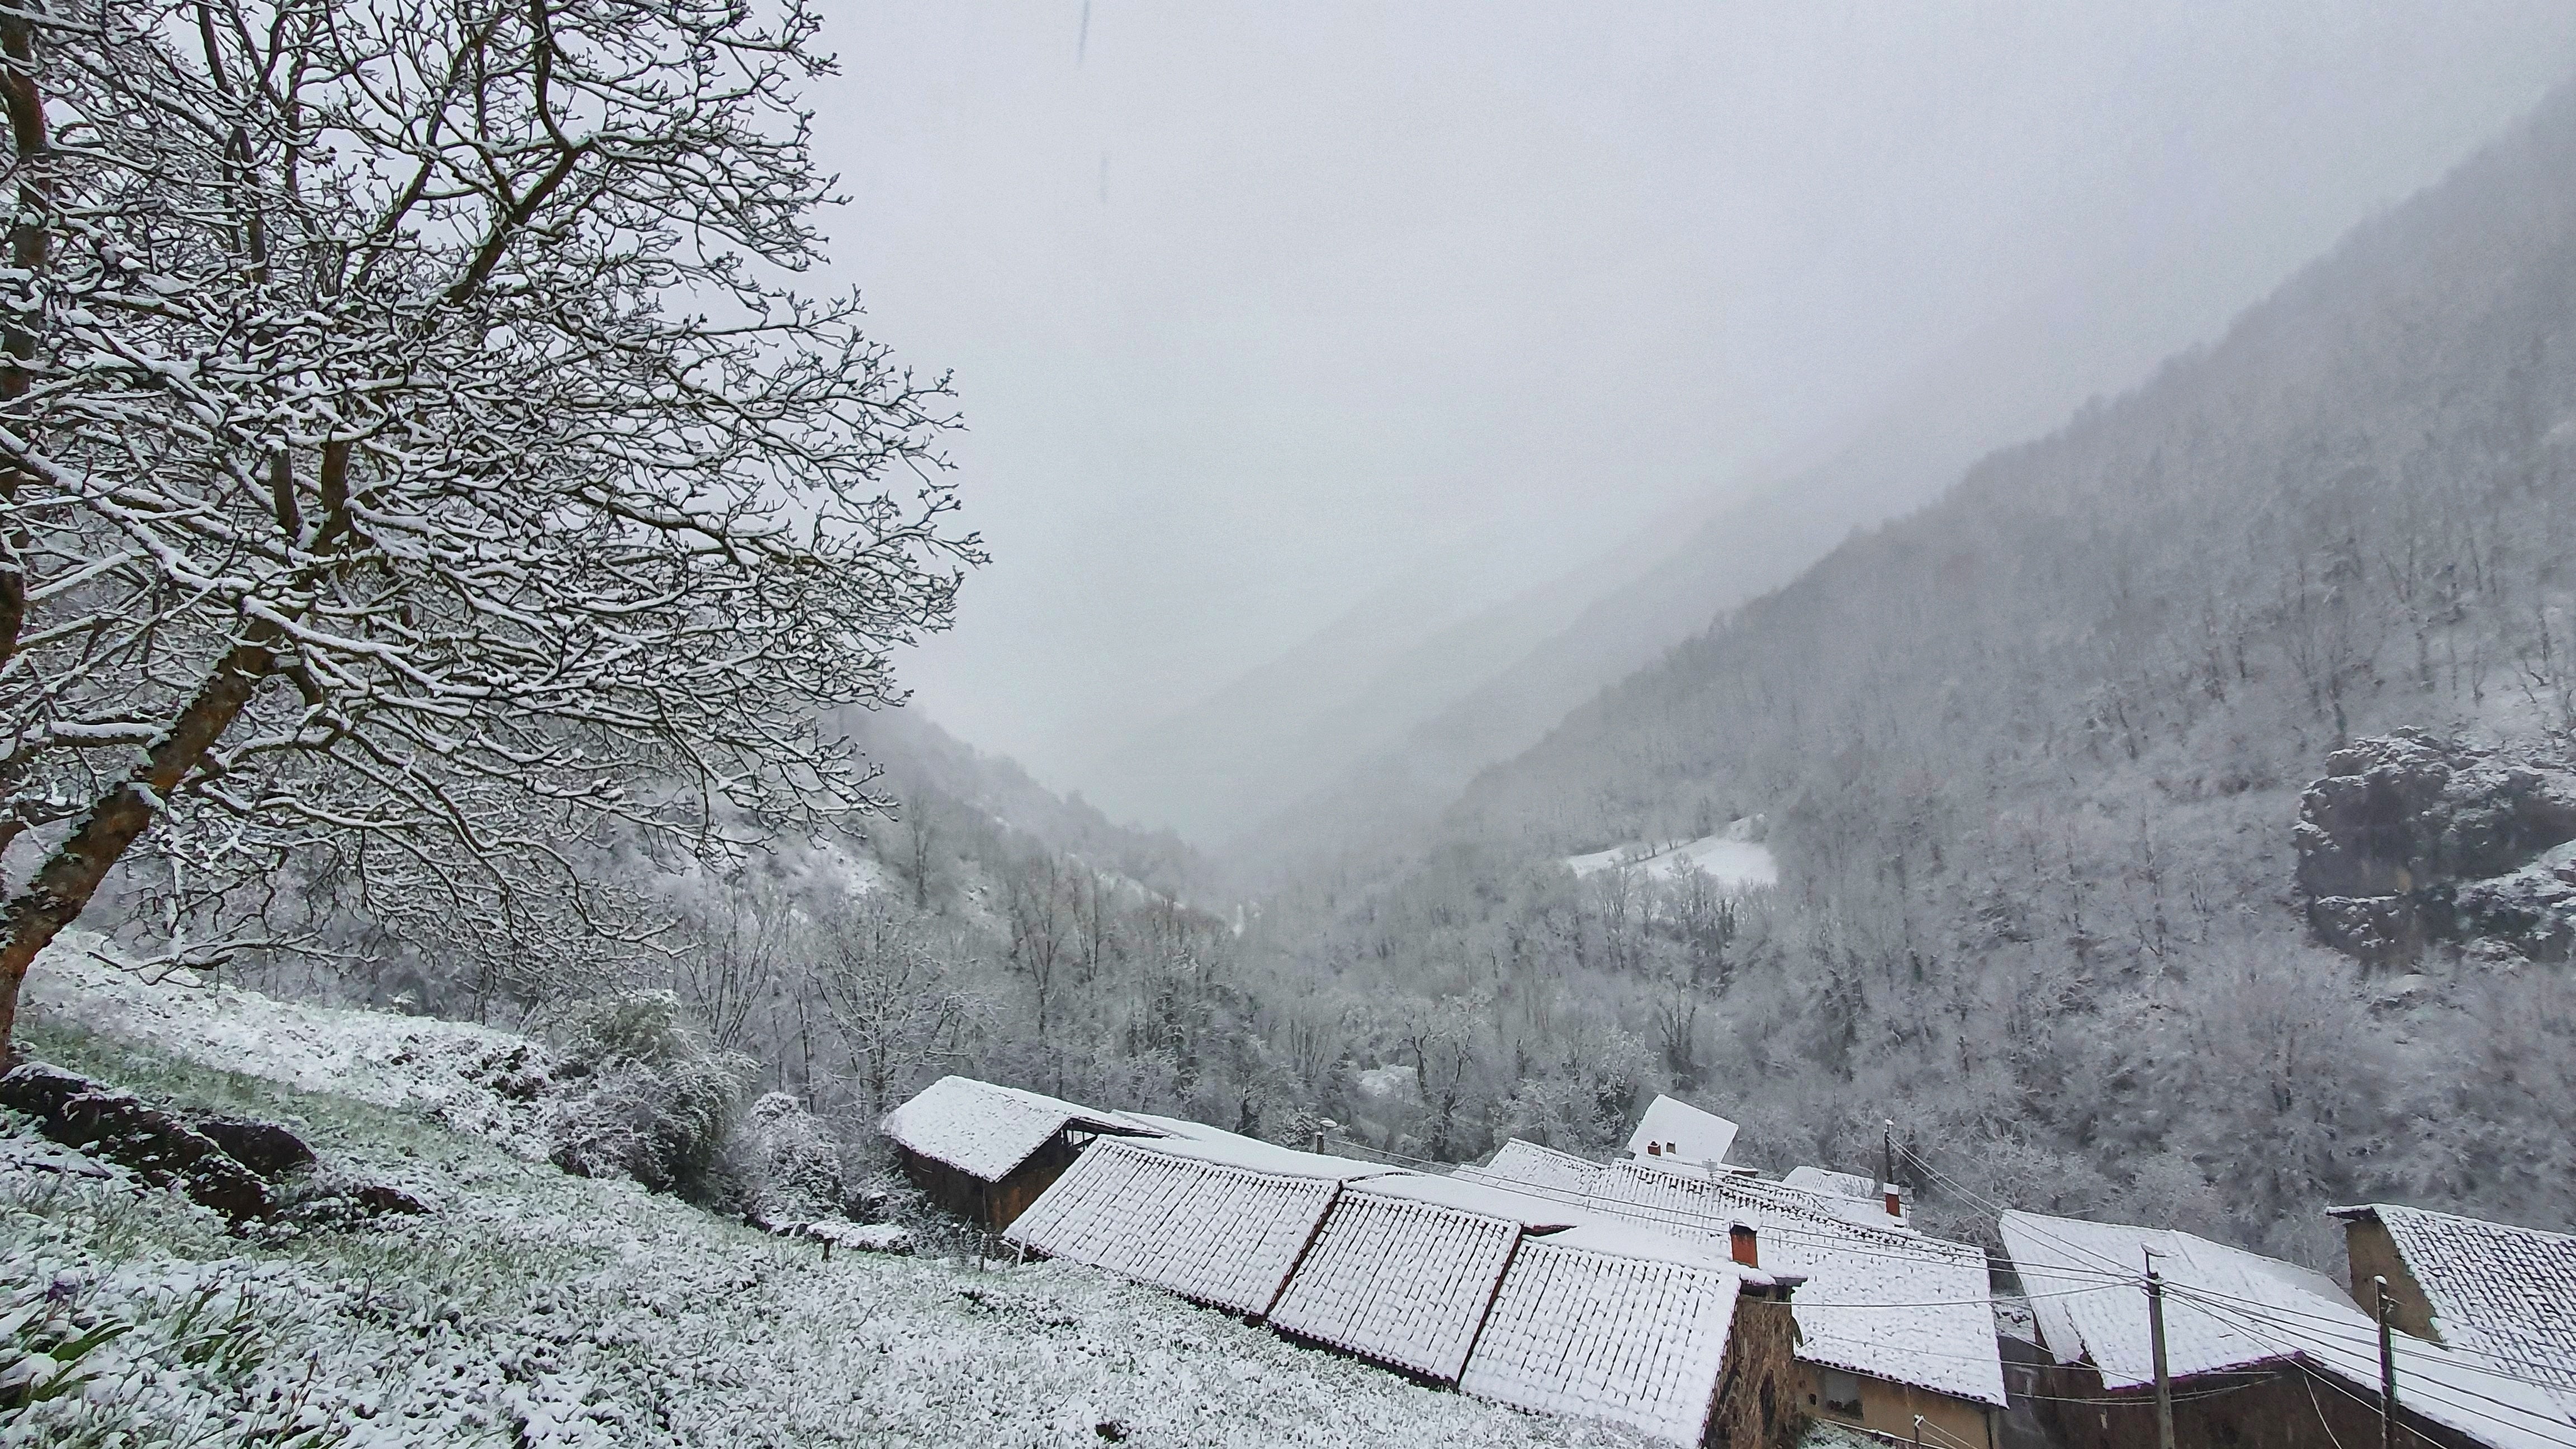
(1529,1165)
(1469,1195)
(1639,1341)
(1404,1283)
(2503,1292)
(1258,1156)
(1219,1234)
(1676,1129)
(1883,1301)
(2226,1308)
(987,1131)
(1831,1183)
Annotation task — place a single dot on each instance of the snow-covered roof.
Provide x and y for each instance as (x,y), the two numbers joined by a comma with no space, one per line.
(1402,1282)
(1212,1232)
(2226,1309)
(1532,1211)
(1614,1316)
(1639,1341)
(1678,1130)
(2503,1292)
(1526,1164)
(1879,1300)
(987,1131)
(1622,1237)
(1259,1156)
(1830,1183)
(1173,1126)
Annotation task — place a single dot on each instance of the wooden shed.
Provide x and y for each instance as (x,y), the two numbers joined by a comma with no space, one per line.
(986,1152)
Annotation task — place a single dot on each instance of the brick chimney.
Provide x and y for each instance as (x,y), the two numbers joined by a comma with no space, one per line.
(1895,1201)
(1747,1251)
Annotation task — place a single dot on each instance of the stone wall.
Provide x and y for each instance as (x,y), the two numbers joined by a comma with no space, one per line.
(1761,1402)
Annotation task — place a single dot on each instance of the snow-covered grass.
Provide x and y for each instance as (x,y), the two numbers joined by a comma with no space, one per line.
(471,1078)
(530,1308)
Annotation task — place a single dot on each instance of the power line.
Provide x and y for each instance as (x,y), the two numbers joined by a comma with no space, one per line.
(2507,1368)
(2511,1371)
(2260,1311)
(2422,1388)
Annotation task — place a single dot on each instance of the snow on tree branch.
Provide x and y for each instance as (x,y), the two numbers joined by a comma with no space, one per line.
(414,461)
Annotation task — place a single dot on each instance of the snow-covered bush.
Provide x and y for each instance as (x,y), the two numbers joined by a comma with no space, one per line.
(789,1165)
(646,1098)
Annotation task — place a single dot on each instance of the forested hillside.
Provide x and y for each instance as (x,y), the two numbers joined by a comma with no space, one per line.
(2031,761)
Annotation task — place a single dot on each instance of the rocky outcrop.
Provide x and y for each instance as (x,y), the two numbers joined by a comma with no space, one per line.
(2411,840)
(264,1147)
(119,1127)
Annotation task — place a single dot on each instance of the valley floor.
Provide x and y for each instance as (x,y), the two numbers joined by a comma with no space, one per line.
(531,1308)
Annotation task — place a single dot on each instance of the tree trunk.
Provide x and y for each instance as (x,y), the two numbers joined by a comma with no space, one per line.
(64,884)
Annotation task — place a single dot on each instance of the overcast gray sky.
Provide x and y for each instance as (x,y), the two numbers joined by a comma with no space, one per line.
(1255,309)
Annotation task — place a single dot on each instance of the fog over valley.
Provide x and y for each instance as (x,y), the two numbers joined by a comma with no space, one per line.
(1393,321)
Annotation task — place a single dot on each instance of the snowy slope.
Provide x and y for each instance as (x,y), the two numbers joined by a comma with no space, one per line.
(468,1078)
(545,1310)
(1731,858)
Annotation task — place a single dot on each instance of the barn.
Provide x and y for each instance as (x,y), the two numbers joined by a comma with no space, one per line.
(2493,1290)
(985,1152)
(2260,1354)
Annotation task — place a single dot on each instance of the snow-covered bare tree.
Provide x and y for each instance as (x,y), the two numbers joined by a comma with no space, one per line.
(897,1004)
(416,466)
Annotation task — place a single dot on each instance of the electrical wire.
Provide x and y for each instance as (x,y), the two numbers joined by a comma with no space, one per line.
(2508,1368)
(2247,1311)
(2432,1390)
(2257,1312)
(2515,1370)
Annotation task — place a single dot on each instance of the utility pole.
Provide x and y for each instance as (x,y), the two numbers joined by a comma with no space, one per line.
(2387,1372)
(1887,1152)
(2156,1342)
(1918,1431)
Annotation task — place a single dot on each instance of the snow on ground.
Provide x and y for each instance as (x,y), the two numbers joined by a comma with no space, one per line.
(1731,858)
(534,1308)
(469,1078)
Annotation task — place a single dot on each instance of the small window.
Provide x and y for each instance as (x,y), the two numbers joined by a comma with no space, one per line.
(1841,1391)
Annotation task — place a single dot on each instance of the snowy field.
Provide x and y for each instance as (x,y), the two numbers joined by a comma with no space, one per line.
(1734,862)
(534,1309)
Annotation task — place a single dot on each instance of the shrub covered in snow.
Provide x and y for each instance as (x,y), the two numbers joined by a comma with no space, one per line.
(646,1098)
(789,1165)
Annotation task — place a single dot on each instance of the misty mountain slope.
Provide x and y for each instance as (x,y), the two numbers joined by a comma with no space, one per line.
(1351,688)
(1384,798)
(2031,760)
(980,807)
(2016,376)
(2352,512)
